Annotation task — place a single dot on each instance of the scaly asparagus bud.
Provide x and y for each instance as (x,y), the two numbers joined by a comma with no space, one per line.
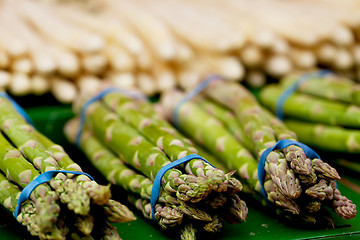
(214,226)
(187,232)
(117,212)
(297,158)
(284,178)
(238,207)
(275,196)
(342,205)
(325,170)
(321,190)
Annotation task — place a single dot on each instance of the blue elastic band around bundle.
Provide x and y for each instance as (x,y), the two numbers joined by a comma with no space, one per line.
(280,145)
(193,93)
(42,178)
(98,97)
(17,107)
(155,192)
(279,111)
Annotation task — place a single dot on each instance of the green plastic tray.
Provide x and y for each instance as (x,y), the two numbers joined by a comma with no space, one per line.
(261,224)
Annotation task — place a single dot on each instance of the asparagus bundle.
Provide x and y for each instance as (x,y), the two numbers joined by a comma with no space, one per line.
(300,187)
(66,206)
(331,86)
(323,112)
(128,142)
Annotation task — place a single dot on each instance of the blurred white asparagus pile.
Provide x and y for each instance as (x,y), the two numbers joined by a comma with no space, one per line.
(63,47)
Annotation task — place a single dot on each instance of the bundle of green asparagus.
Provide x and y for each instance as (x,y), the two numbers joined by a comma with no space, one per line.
(68,206)
(324,112)
(129,143)
(229,122)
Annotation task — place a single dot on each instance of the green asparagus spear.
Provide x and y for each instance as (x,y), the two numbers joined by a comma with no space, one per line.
(326,137)
(251,117)
(19,170)
(141,154)
(196,123)
(332,87)
(113,168)
(98,194)
(172,146)
(309,108)
(9,194)
(22,136)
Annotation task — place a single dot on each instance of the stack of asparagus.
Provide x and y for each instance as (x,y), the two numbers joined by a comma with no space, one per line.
(63,46)
(129,143)
(324,111)
(229,122)
(69,205)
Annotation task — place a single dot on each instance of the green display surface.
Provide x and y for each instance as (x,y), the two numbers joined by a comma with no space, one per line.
(261,222)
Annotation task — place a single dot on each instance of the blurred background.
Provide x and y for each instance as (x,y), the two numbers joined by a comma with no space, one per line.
(63,47)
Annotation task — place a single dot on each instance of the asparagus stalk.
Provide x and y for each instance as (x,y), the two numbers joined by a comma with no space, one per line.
(276,162)
(22,136)
(98,194)
(9,194)
(196,123)
(326,137)
(256,127)
(250,115)
(171,145)
(113,168)
(333,87)
(109,165)
(227,117)
(166,216)
(19,170)
(314,109)
(141,154)
(187,232)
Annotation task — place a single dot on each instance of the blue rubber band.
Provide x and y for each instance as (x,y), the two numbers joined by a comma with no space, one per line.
(193,93)
(155,192)
(42,178)
(280,145)
(279,111)
(98,97)
(17,107)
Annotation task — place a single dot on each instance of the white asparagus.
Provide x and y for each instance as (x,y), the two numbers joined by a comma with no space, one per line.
(278,65)
(14,45)
(230,67)
(146,83)
(63,90)
(58,29)
(4,59)
(20,84)
(88,85)
(164,76)
(38,52)
(5,78)
(342,36)
(39,84)
(255,78)
(94,63)
(326,53)
(343,60)
(67,61)
(196,28)
(107,25)
(152,29)
(22,65)
(302,58)
(251,55)
(119,58)
(122,80)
